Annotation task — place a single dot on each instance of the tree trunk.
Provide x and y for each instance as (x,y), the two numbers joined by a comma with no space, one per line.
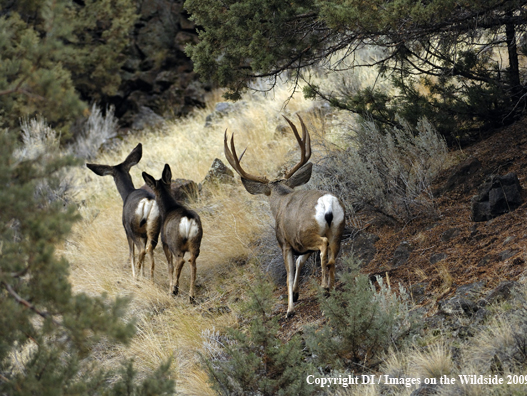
(514,70)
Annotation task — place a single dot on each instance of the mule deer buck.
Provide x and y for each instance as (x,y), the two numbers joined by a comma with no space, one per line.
(306,221)
(181,230)
(141,220)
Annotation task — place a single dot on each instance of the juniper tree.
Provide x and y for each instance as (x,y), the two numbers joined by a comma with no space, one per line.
(361,321)
(54,55)
(444,57)
(47,332)
(257,361)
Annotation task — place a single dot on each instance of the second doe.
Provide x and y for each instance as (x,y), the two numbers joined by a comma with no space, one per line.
(181,230)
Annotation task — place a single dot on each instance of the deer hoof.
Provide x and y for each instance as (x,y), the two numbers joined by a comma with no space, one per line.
(295,296)
(192,300)
(290,314)
(326,292)
(175,291)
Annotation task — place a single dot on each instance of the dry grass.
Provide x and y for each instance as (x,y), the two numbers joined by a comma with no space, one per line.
(232,220)
(433,362)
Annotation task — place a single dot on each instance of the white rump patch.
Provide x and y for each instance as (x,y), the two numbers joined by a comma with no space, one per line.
(147,210)
(188,228)
(328,204)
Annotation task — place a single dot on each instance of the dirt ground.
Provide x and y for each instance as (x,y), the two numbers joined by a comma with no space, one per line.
(489,252)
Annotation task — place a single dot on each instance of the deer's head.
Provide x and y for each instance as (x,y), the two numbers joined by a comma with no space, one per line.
(298,175)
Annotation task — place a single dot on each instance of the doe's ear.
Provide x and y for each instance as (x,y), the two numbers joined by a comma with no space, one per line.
(254,187)
(167,175)
(101,170)
(301,176)
(149,180)
(134,157)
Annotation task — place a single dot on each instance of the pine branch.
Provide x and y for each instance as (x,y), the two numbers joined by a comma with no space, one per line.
(27,304)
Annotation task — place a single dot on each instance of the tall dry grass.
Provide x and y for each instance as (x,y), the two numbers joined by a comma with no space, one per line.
(232,219)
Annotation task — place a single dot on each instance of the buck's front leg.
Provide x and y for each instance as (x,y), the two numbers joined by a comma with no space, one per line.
(290,269)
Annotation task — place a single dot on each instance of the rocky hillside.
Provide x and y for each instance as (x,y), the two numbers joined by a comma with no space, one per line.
(158,77)
(452,265)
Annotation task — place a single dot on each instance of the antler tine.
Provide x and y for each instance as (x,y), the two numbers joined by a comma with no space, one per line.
(304,143)
(307,139)
(233,159)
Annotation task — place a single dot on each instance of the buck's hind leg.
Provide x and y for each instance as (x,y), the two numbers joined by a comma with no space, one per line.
(300,261)
(323,262)
(334,248)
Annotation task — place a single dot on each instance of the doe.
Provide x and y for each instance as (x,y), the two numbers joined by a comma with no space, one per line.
(141,220)
(181,230)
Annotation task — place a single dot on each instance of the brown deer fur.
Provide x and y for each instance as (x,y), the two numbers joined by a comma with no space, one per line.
(141,220)
(181,230)
(306,221)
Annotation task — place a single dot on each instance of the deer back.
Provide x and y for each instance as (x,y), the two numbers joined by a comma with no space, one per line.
(301,217)
(180,225)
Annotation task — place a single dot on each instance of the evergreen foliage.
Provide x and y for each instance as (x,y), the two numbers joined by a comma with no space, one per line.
(55,54)
(47,331)
(443,56)
(258,362)
(361,320)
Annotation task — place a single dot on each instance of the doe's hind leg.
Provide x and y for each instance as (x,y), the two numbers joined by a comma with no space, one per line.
(168,255)
(180,260)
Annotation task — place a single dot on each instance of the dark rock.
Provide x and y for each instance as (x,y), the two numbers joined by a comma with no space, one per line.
(481,315)
(458,306)
(501,194)
(507,254)
(157,73)
(471,291)
(183,190)
(221,110)
(218,174)
(487,259)
(436,258)
(146,118)
(501,293)
(449,234)
(401,254)
(186,24)
(480,211)
(275,269)
(418,291)
(182,39)
(363,247)
(462,175)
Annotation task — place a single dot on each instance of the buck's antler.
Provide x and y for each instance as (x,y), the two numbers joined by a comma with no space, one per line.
(304,143)
(235,161)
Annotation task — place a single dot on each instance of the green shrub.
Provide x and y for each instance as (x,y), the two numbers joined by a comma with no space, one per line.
(362,320)
(257,362)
